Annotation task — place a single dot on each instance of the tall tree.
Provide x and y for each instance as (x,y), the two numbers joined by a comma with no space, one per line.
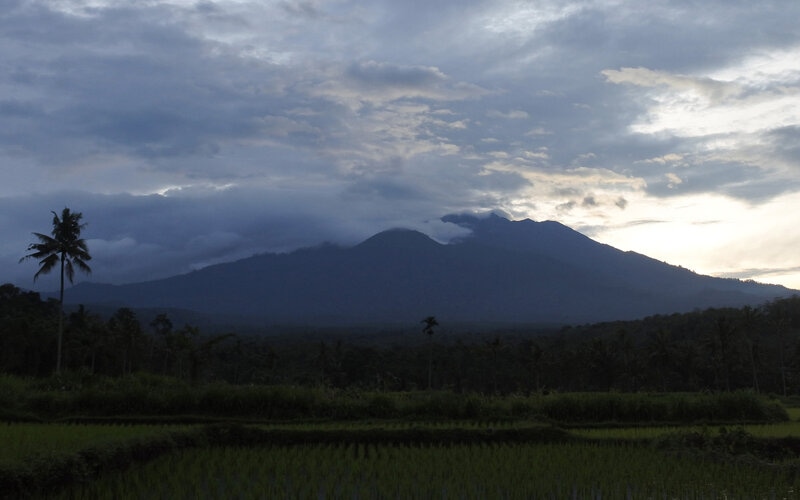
(749,320)
(660,355)
(87,335)
(494,347)
(26,326)
(64,247)
(430,323)
(126,330)
(163,328)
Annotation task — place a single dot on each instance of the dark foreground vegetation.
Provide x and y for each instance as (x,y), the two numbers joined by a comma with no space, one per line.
(142,398)
(397,404)
(225,460)
(756,349)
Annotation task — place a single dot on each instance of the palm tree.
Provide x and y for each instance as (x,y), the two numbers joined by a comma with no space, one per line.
(430,324)
(66,247)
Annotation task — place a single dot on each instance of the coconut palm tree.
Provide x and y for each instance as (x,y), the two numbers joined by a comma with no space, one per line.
(430,324)
(64,247)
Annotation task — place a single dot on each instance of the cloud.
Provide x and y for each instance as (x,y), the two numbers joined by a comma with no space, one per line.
(375,74)
(510,115)
(705,90)
(667,159)
(195,132)
(673,180)
(785,142)
(377,83)
(728,114)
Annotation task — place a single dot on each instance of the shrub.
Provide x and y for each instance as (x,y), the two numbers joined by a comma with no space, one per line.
(381,406)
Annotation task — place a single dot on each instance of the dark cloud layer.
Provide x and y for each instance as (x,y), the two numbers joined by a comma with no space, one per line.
(197,132)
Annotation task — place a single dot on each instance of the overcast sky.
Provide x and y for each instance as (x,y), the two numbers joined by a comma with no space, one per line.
(190,133)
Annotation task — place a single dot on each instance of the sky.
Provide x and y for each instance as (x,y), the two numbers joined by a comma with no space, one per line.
(190,133)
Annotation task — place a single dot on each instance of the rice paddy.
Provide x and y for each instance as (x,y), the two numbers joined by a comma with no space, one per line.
(776,430)
(393,458)
(21,440)
(509,471)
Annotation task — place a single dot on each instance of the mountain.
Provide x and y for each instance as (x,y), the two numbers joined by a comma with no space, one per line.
(502,272)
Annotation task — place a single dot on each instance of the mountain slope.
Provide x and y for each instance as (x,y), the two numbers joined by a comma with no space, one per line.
(521,272)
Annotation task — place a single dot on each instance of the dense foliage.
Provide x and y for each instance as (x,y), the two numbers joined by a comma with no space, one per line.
(145,398)
(715,350)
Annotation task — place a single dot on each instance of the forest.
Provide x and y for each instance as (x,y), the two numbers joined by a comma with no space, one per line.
(752,348)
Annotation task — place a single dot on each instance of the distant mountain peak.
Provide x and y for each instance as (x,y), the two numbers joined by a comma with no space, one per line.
(471,221)
(496,230)
(398,238)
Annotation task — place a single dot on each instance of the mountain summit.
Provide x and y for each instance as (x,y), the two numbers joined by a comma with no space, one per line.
(502,272)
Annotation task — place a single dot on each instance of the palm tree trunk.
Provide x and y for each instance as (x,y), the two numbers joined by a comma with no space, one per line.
(60,316)
(430,364)
(753,365)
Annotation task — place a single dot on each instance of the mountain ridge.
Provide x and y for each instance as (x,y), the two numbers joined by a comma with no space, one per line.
(503,271)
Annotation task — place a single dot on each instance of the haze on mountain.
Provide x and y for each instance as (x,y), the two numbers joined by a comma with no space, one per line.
(503,272)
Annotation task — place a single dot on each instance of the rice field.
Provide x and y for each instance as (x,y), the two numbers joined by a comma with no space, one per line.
(21,440)
(612,463)
(777,430)
(399,425)
(508,471)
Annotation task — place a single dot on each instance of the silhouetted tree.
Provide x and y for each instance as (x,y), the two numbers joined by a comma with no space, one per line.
(534,352)
(602,363)
(494,347)
(778,315)
(85,335)
(200,352)
(749,320)
(26,328)
(660,355)
(183,345)
(162,326)
(330,363)
(126,330)
(66,247)
(622,345)
(430,323)
(720,340)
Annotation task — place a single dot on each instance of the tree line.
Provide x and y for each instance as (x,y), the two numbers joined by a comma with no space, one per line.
(115,346)
(755,348)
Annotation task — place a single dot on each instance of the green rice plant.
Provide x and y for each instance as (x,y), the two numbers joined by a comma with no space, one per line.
(21,440)
(630,433)
(571,470)
(777,430)
(12,391)
(38,462)
(739,407)
(57,454)
(790,429)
